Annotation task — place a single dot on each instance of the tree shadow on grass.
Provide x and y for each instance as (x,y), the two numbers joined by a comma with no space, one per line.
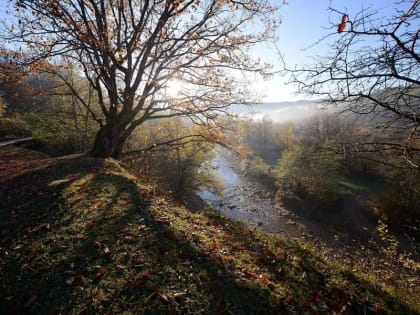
(85,241)
(311,284)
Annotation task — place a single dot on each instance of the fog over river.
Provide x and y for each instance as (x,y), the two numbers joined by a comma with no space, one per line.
(279,112)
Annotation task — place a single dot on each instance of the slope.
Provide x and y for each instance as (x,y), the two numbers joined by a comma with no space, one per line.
(83,236)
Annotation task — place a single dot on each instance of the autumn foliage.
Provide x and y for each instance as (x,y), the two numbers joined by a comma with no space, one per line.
(130,52)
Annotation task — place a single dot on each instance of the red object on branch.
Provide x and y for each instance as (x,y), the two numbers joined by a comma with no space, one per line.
(342,25)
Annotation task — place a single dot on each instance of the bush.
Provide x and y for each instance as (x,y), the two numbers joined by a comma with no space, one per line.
(310,175)
(13,128)
(394,209)
(57,134)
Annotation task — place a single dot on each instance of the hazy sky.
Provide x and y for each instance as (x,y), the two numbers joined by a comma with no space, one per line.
(304,23)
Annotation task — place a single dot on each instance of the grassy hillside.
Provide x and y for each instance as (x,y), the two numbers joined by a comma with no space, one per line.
(83,236)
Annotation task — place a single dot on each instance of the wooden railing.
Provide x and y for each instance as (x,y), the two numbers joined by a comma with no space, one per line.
(21,141)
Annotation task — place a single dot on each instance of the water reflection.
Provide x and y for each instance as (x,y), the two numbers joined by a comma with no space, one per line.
(240,199)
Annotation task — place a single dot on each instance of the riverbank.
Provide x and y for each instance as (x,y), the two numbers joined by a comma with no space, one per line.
(361,246)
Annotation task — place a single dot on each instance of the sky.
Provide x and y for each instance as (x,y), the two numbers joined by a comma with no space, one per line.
(304,23)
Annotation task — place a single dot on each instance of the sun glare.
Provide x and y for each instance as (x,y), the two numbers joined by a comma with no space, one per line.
(174,88)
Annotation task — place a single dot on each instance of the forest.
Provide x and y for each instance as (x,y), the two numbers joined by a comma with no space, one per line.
(122,194)
(310,164)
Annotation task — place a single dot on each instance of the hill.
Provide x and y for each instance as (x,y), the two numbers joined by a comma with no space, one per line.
(84,236)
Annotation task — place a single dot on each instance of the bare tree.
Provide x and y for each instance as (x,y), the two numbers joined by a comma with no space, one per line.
(130,51)
(374,71)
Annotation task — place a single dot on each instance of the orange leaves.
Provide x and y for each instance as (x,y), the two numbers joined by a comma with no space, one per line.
(216,245)
(145,193)
(253,275)
(342,25)
(249,274)
(189,105)
(281,255)
(265,281)
(236,246)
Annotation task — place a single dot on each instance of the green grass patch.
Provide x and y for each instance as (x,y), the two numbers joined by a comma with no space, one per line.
(83,236)
(357,186)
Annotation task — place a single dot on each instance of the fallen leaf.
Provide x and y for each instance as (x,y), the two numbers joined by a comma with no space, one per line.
(379,309)
(216,245)
(281,255)
(237,246)
(139,281)
(289,299)
(107,251)
(318,297)
(249,274)
(265,281)
(100,272)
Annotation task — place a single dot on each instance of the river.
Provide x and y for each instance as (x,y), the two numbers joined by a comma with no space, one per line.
(241,200)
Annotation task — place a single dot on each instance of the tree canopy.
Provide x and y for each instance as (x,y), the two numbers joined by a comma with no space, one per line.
(131,51)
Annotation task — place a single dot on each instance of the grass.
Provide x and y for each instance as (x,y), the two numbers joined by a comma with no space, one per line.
(83,236)
(355,186)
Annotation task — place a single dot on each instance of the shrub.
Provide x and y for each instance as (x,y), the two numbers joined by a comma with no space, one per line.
(13,128)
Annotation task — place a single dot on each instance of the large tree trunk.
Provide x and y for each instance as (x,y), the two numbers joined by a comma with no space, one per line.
(108,141)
